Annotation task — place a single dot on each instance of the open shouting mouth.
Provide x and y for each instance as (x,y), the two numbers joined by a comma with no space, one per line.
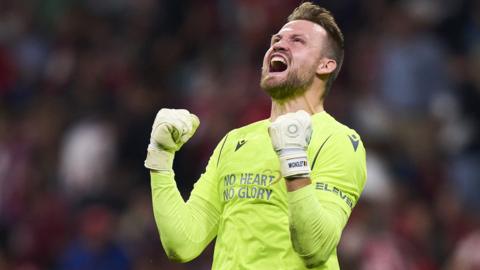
(278,63)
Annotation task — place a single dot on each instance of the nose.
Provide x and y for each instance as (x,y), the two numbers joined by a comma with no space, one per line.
(279,46)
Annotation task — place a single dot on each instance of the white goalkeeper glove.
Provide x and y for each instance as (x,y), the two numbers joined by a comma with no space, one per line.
(290,134)
(171,129)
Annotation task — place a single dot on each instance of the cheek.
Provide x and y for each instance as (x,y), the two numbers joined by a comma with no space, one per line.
(265,60)
(264,63)
(311,61)
(303,62)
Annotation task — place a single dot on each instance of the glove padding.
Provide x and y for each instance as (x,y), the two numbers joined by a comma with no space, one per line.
(290,134)
(171,129)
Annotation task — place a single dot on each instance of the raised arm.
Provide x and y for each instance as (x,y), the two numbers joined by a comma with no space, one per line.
(185,228)
(318,211)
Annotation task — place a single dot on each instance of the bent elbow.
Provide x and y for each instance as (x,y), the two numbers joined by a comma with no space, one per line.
(316,259)
(178,255)
(319,255)
(179,251)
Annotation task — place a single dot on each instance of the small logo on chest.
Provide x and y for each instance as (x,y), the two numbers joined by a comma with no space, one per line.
(240,144)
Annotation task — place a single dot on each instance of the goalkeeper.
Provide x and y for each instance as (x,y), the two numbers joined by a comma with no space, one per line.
(277,193)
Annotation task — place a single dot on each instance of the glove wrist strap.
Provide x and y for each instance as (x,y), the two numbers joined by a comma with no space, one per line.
(294,163)
(159,160)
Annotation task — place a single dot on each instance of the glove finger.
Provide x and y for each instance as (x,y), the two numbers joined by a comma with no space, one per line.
(172,128)
(166,131)
(163,135)
(291,130)
(184,125)
(302,114)
(304,118)
(308,136)
(192,124)
(276,136)
(163,117)
(195,121)
(306,121)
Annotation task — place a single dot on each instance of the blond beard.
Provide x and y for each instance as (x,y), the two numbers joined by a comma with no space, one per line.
(295,85)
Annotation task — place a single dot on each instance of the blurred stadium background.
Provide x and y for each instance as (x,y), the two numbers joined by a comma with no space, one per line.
(81,81)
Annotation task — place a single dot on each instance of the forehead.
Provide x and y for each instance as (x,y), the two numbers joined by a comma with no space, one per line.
(303,27)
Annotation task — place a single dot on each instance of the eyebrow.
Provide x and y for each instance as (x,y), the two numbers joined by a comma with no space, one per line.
(299,35)
(275,36)
(292,36)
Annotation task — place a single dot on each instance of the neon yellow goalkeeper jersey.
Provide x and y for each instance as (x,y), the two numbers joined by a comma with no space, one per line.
(239,201)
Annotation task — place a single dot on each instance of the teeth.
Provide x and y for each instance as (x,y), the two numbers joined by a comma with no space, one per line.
(278,59)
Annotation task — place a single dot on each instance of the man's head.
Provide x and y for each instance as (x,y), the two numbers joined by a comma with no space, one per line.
(308,47)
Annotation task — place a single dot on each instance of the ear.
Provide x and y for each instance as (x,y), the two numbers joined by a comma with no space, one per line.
(326,66)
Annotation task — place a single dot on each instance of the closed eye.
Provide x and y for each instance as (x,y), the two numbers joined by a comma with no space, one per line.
(298,39)
(275,39)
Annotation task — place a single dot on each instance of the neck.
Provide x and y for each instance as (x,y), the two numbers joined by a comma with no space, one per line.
(310,102)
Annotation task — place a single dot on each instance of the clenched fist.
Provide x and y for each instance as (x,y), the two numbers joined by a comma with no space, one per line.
(290,134)
(171,129)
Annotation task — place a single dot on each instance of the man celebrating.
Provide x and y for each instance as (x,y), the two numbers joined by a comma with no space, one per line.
(280,207)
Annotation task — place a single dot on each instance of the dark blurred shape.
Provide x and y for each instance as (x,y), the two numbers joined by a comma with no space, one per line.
(94,248)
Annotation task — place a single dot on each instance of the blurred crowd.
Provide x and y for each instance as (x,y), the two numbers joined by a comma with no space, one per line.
(81,82)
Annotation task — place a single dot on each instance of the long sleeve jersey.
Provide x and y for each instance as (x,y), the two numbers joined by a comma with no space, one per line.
(241,199)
